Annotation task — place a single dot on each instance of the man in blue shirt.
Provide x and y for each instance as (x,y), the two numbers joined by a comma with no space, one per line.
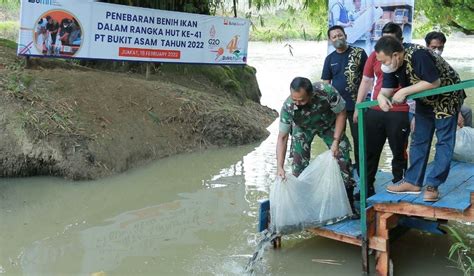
(343,69)
(416,69)
(435,41)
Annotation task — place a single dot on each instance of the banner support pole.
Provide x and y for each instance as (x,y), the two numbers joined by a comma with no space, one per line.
(147,74)
(235,8)
(28,62)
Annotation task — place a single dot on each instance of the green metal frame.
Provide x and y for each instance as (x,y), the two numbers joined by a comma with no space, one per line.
(361,109)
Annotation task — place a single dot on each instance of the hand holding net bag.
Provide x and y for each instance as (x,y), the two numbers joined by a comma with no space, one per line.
(314,199)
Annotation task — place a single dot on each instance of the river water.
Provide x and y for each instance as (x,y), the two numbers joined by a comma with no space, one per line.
(193,214)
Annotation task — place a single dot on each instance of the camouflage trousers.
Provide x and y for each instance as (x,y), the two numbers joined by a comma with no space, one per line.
(301,140)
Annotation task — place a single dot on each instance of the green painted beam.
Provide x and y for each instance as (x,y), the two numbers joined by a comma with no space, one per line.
(440,90)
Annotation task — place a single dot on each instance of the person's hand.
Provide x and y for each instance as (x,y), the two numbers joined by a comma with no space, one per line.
(335,149)
(281,173)
(355,117)
(412,125)
(399,97)
(384,102)
(460,120)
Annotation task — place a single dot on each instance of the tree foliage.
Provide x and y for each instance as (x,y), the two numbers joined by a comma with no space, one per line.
(442,14)
(458,14)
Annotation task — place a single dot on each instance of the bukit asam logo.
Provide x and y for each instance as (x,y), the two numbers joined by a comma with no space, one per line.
(228,22)
(233,52)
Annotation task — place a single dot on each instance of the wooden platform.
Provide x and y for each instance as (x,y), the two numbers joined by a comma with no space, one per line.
(386,211)
(454,194)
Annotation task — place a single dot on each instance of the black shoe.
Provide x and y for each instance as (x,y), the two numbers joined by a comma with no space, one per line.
(370,193)
(355,216)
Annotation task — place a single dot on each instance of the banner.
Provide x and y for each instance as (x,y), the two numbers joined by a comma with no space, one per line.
(87,29)
(363,20)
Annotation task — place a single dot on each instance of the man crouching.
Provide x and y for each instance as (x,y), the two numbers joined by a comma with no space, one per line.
(314,109)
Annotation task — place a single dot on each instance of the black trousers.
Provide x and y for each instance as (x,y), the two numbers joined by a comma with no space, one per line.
(382,125)
(355,138)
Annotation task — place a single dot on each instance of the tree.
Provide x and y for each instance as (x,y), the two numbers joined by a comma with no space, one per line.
(454,14)
(458,14)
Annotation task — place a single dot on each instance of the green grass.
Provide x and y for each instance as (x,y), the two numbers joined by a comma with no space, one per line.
(9,30)
(10,15)
(10,4)
(8,43)
(285,25)
(461,252)
(300,25)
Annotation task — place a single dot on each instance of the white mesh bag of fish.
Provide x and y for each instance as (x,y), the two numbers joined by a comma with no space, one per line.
(314,199)
(464,146)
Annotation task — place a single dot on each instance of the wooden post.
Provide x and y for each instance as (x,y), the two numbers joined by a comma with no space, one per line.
(363,191)
(28,62)
(276,243)
(147,75)
(385,222)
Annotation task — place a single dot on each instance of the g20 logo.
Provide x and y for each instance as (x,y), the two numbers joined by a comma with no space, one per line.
(214,42)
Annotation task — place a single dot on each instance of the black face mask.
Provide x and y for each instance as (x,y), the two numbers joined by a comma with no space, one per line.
(302,106)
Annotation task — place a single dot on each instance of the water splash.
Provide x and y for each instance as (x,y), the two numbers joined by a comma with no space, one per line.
(267,238)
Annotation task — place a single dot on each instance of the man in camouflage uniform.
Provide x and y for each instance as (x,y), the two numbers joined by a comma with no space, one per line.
(314,109)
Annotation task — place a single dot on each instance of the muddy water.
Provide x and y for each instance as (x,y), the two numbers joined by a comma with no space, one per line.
(191,214)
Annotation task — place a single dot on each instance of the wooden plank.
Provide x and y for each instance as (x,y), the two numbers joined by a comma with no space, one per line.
(390,220)
(451,183)
(351,228)
(385,221)
(458,199)
(335,236)
(421,224)
(459,171)
(405,208)
(457,176)
(467,167)
(470,188)
(263,214)
(378,243)
(371,222)
(382,263)
(375,243)
(386,197)
(335,226)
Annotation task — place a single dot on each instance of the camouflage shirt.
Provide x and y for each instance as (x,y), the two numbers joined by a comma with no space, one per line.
(319,113)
